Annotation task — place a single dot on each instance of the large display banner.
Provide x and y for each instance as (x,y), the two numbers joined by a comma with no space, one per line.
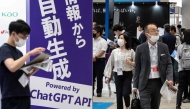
(64,28)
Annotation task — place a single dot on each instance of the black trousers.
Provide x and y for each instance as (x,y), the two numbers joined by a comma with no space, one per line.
(98,70)
(174,76)
(187,93)
(16,103)
(184,81)
(150,96)
(123,88)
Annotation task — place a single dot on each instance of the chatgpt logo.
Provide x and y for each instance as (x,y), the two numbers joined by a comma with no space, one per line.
(9,14)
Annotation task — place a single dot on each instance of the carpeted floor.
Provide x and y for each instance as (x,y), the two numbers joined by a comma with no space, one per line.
(102,105)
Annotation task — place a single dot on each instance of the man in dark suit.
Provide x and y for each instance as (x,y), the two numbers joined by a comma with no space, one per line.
(170,40)
(153,67)
(142,37)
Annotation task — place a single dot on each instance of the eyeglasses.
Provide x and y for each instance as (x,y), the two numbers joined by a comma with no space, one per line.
(153,31)
(23,37)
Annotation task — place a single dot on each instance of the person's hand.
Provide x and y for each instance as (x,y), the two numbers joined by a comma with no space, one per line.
(128,61)
(33,71)
(170,84)
(134,90)
(94,59)
(113,46)
(36,51)
(107,80)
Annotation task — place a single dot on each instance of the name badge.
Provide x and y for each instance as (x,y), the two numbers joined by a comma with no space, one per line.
(23,80)
(119,71)
(155,69)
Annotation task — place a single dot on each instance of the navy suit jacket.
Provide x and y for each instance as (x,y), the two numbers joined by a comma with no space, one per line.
(170,40)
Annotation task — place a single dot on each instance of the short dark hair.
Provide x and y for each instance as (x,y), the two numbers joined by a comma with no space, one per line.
(146,27)
(173,28)
(19,26)
(127,39)
(186,34)
(98,28)
(167,27)
(141,25)
(103,28)
(178,26)
(117,27)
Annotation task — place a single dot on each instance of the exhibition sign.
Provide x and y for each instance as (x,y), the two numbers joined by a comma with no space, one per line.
(64,28)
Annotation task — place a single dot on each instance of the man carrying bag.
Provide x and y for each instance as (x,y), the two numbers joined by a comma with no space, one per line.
(135,103)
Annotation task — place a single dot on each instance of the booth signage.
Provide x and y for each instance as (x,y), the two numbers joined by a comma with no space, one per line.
(9,14)
(62,27)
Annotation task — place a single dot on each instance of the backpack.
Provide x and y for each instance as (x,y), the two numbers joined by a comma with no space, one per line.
(185,57)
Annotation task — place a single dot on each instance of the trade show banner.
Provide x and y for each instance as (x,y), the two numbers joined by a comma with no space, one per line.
(64,28)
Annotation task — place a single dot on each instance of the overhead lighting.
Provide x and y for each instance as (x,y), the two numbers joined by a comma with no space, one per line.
(156,3)
(132,3)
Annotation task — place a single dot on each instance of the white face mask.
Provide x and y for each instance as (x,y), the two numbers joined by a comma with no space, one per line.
(20,42)
(120,42)
(154,38)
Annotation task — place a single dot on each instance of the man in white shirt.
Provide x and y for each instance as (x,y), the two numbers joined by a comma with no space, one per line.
(99,51)
(179,30)
(140,29)
(152,67)
(178,37)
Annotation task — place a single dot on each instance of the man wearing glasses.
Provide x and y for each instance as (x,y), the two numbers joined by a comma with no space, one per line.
(153,67)
(13,81)
(143,38)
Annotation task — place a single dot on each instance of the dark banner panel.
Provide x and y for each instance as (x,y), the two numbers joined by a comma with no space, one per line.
(131,16)
(99,13)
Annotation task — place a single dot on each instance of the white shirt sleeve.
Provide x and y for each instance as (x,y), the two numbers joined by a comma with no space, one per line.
(104,45)
(179,51)
(133,55)
(178,41)
(109,65)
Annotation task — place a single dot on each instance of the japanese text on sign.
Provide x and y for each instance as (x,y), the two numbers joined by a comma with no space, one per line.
(52,27)
(73,14)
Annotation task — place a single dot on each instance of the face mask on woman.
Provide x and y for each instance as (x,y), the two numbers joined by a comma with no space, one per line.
(120,42)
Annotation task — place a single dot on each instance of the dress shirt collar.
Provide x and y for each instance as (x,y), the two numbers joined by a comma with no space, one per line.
(150,45)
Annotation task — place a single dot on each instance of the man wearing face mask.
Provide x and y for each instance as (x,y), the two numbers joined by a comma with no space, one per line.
(99,51)
(14,94)
(153,67)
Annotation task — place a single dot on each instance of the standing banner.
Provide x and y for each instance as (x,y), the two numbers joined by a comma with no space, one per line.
(64,28)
